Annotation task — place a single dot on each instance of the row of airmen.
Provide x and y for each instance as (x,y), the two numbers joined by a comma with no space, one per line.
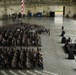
(27,58)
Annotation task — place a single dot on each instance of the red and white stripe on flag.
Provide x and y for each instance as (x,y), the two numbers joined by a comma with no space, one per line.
(22,7)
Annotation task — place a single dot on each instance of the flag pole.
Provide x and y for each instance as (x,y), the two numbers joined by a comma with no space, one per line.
(22,9)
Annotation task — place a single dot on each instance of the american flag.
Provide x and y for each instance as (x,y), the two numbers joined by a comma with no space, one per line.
(22,7)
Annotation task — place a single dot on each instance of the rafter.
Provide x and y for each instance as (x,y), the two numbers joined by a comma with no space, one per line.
(52,2)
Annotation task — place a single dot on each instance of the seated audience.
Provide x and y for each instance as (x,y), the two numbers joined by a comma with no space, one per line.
(13,58)
(22,35)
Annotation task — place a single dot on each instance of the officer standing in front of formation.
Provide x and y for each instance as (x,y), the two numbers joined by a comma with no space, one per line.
(62,28)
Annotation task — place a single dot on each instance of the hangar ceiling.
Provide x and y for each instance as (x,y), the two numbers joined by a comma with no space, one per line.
(48,2)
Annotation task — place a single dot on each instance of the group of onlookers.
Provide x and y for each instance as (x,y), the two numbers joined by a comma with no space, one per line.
(14,16)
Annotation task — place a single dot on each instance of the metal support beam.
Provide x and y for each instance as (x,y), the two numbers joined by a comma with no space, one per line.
(28,2)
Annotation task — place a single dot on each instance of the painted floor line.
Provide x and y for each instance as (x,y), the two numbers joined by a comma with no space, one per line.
(21,72)
(49,72)
(30,72)
(40,72)
(13,72)
(3,72)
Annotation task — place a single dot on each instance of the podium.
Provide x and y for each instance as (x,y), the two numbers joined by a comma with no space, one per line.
(70,55)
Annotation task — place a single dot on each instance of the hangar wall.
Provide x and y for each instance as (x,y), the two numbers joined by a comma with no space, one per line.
(70,10)
(17,9)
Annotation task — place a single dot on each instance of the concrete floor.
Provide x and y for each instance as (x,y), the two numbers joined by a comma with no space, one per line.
(54,57)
